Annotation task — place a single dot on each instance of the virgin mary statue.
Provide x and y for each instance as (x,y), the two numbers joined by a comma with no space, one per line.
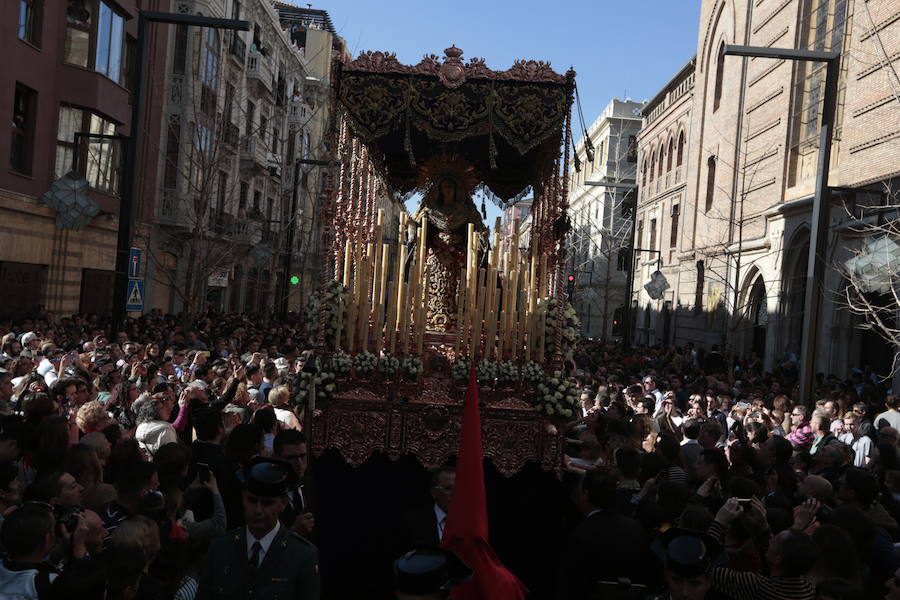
(447,182)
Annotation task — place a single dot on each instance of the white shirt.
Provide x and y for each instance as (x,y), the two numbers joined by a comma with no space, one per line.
(287,418)
(441,518)
(265,542)
(891,416)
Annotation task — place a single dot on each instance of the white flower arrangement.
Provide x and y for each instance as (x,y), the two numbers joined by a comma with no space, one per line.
(337,298)
(571,327)
(341,363)
(388,365)
(411,366)
(507,372)
(532,373)
(365,363)
(324,383)
(461,368)
(486,372)
(557,396)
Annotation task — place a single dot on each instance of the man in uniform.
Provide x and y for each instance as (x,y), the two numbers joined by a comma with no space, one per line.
(263,559)
(428,574)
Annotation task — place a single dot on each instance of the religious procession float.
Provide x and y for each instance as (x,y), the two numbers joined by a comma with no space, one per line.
(406,306)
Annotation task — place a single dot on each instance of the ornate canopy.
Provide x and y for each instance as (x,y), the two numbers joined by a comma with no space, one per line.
(508,124)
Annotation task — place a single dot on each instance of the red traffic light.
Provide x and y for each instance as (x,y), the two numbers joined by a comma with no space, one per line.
(571,278)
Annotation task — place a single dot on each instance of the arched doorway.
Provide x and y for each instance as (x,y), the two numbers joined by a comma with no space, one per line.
(758,317)
(795,262)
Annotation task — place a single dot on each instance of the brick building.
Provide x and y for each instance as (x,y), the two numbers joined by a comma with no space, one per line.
(736,265)
(67,72)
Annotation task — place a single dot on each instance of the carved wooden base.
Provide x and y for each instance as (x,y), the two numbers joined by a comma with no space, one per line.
(424,419)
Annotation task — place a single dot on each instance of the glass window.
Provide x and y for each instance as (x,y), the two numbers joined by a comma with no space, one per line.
(181,48)
(99,160)
(22,146)
(29,24)
(110,41)
(104,25)
(173,149)
(79,19)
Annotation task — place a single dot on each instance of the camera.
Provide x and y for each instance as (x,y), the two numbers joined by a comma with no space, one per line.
(203,472)
(68,517)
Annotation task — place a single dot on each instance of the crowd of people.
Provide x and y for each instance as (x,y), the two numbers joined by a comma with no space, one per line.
(709,478)
(124,462)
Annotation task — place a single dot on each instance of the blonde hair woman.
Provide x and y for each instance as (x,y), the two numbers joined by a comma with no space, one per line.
(279,397)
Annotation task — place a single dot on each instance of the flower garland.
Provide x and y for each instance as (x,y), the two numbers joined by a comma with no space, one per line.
(557,396)
(570,329)
(336,298)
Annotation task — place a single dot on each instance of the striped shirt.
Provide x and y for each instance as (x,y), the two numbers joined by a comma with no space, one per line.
(739,585)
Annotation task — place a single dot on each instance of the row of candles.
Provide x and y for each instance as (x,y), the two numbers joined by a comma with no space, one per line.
(497,304)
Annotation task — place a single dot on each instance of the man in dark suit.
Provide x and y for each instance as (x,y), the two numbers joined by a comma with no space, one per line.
(262,559)
(424,526)
(290,446)
(207,450)
(605,547)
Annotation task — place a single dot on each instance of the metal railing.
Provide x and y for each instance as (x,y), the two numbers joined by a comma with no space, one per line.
(238,48)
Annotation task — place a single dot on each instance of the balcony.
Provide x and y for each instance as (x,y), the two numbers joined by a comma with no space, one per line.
(254,155)
(298,114)
(172,209)
(237,50)
(259,69)
(273,164)
(231,135)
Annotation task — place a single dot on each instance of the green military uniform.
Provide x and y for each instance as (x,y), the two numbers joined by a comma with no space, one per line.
(289,570)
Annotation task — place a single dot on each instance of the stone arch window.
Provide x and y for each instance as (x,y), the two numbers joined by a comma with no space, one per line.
(720,68)
(680,152)
(652,165)
(710,182)
(669,152)
(644,174)
(662,157)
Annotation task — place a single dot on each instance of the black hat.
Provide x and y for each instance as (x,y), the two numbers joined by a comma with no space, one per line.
(688,553)
(429,570)
(268,477)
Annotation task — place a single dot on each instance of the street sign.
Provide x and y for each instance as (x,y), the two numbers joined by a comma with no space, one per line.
(218,278)
(135,297)
(134,264)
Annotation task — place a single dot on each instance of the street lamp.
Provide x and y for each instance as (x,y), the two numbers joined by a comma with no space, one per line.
(132,149)
(818,242)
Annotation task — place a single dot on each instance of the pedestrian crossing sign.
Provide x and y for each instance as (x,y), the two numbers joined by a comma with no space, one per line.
(135,301)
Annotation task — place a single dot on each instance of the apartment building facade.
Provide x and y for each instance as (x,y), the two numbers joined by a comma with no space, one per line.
(234,224)
(601,199)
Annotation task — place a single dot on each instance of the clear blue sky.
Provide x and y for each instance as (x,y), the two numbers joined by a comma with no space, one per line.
(618,48)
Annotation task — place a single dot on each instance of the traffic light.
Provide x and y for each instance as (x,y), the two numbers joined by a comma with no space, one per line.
(571,286)
(294,280)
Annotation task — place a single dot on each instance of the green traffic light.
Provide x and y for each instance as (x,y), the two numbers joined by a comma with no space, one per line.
(294,280)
